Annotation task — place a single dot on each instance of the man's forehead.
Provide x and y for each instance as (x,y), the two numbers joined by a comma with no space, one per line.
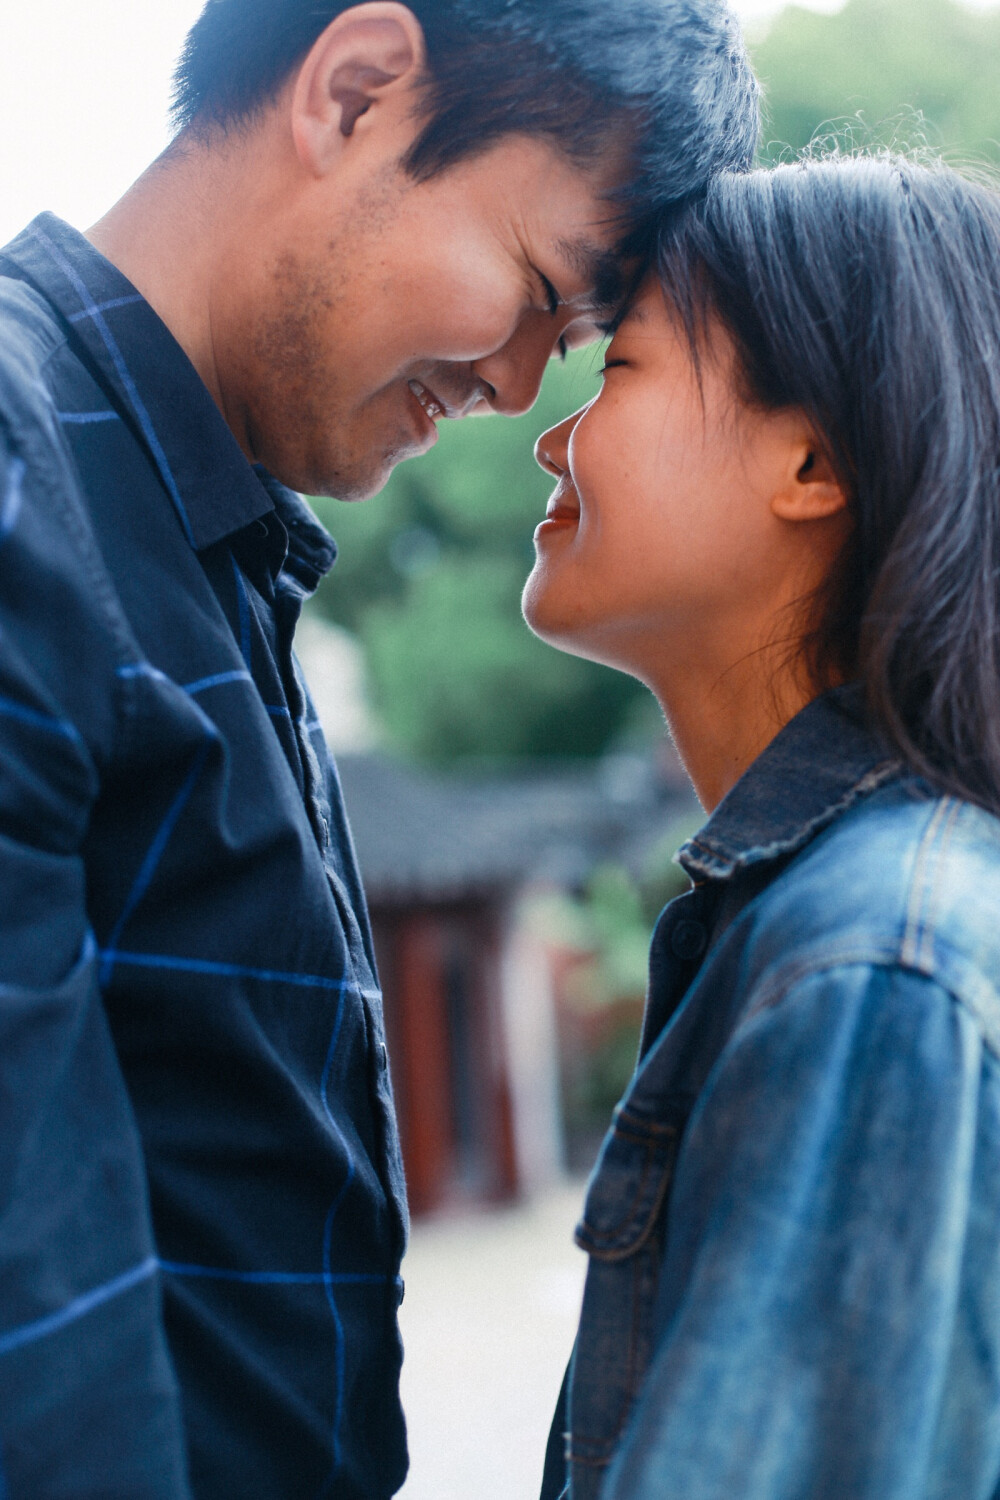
(599,266)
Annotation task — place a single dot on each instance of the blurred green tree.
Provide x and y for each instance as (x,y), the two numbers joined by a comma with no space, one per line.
(885,60)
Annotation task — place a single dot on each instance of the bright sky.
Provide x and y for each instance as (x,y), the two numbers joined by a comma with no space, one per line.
(83,99)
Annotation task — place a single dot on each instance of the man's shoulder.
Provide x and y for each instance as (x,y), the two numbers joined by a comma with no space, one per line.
(37,368)
(45,525)
(30,333)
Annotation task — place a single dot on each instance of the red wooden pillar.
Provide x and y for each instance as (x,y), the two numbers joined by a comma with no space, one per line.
(422,1055)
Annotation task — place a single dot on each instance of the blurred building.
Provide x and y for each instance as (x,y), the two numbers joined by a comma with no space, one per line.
(452,865)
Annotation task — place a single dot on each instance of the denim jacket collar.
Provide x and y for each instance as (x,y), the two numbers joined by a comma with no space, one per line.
(821,763)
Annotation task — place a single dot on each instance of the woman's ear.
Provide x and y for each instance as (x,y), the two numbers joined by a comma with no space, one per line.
(811,490)
(367,54)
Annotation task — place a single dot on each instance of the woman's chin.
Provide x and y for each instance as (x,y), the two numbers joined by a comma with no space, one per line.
(555,616)
(540,608)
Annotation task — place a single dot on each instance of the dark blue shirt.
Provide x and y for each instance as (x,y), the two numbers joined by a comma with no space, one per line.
(794,1223)
(201,1199)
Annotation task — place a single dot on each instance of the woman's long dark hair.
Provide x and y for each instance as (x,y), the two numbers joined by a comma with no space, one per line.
(865,292)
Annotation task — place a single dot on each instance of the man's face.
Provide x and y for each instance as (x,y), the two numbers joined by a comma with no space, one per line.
(394,303)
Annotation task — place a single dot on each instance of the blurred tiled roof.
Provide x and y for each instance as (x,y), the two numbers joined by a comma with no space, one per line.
(428,836)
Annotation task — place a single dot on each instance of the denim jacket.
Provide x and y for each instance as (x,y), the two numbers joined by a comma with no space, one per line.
(794,1223)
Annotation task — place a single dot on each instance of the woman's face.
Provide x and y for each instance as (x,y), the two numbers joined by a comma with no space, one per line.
(662,543)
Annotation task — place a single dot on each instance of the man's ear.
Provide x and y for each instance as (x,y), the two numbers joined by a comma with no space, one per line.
(365,56)
(811,490)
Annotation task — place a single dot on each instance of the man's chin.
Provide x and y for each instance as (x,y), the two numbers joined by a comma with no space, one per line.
(353,488)
(364,482)
(336,484)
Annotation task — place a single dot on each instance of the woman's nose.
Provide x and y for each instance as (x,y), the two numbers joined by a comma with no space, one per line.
(552,448)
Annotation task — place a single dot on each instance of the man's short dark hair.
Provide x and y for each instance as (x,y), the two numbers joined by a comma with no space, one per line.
(670,75)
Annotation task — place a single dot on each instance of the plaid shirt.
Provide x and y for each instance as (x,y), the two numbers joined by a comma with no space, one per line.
(201,1199)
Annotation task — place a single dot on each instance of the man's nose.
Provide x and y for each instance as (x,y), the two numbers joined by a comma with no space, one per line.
(512,384)
(514,372)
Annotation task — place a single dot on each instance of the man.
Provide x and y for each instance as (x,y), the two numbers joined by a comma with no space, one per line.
(371,217)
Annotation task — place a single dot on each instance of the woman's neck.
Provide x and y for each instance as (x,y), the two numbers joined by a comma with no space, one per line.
(721,721)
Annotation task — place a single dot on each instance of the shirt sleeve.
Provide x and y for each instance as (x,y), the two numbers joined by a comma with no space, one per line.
(827,1319)
(88,1400)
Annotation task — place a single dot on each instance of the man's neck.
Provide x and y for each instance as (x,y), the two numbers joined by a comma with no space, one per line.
(170,235)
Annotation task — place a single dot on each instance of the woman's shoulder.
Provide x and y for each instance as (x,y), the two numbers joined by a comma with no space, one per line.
(906,879)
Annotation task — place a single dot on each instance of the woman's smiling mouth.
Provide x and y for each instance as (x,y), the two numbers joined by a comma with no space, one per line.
(563,509)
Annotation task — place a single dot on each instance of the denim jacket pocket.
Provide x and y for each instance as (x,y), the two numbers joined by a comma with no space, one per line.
(621,1230)
(628,1188)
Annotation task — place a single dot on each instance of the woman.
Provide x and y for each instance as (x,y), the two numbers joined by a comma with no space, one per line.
(782,513)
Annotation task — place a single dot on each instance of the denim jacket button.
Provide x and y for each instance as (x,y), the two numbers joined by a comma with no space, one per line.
(688,938)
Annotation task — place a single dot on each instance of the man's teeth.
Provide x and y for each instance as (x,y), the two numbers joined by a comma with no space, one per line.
(433,408)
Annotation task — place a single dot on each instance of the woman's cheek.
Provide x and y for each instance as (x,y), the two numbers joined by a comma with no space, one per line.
(590,461)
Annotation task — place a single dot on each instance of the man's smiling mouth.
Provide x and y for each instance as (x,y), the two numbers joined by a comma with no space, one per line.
(430,403)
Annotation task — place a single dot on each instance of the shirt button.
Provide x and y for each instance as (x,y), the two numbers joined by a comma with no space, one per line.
(688,938)
(383,1057)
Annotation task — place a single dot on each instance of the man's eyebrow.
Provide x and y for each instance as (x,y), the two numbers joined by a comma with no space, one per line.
(599,267)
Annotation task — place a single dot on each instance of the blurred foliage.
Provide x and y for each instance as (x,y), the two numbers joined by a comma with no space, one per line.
(887,61)
(602,995)
(458,674)
(609,922)
(619,932)
(430,572)
(430,575)
(591,1090)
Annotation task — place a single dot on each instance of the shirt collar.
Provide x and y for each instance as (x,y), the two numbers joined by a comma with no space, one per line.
(150,379)
(312,551)
(821,763)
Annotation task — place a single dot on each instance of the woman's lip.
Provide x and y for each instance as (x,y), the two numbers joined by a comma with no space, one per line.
(563,503)
(557,520)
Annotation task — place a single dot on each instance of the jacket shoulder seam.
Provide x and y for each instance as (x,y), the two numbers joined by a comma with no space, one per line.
(917,946)
(981,1001)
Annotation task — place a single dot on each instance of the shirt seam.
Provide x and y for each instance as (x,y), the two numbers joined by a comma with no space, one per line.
(49,337)
(45,461)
